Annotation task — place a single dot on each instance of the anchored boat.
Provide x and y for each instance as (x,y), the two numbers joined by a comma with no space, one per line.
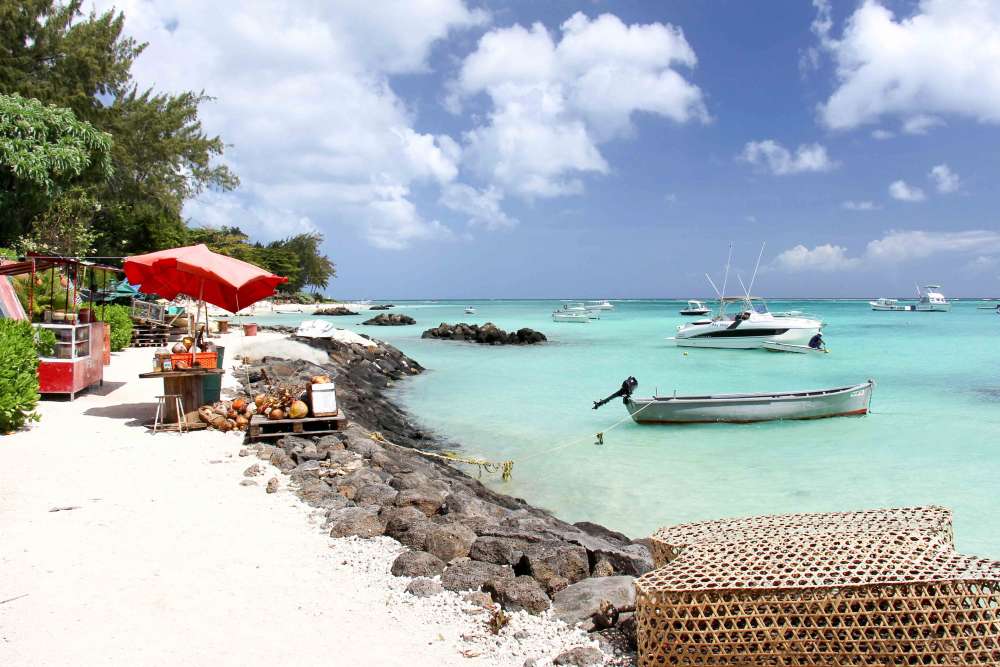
(748,408)
(695,308)
(748,328)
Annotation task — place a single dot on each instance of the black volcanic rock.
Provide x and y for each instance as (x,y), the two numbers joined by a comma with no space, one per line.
(390,320)
(486,334)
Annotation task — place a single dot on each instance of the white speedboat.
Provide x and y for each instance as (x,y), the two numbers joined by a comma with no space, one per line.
(469,310)
(932,301)
(746,328)
(695,308)
(580,309)
(883,303)
(570,316)
(600,305)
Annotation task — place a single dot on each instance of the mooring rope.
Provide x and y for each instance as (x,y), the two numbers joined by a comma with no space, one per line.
(507,467)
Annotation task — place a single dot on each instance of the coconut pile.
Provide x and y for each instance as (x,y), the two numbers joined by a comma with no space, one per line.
(286,401)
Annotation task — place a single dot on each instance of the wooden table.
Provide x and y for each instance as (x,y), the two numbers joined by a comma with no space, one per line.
(186,383)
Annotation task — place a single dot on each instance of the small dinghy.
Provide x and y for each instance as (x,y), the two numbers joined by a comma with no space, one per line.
(745,408)
(776,346)
(316,329)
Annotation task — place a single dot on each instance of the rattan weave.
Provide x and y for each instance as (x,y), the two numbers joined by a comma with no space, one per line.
(669,542)
(795,594)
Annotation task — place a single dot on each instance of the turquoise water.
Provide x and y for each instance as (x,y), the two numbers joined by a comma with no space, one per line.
(933,436)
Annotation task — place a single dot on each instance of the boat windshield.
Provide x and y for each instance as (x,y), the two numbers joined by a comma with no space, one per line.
(760,307)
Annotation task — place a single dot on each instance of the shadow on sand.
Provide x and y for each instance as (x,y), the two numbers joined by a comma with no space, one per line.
(137,414)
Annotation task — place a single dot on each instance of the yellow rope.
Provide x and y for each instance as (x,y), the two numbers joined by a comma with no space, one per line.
(507,467)
(489,466)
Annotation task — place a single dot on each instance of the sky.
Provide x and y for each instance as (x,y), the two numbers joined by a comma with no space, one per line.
(466,149)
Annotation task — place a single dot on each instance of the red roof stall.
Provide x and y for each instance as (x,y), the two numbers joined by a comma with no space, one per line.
(77,361)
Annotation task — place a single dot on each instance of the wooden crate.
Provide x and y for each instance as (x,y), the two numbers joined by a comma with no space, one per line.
(262,428)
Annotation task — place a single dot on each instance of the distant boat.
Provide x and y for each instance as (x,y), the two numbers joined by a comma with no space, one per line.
(469,310)
(746,408)
(883,303)
(580,309)
(695,308)
(600,305)
(569,316)
(932,301)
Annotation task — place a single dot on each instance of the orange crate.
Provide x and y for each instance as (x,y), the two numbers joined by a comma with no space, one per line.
(202,359)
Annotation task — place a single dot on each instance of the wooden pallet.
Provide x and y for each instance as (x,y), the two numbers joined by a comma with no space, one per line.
(262,428)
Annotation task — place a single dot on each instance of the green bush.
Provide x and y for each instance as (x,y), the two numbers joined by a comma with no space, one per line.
(119,318)
(18,374)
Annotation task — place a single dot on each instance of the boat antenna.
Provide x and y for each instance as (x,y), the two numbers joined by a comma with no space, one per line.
(729,260)
(757,266)
(745,290)
(712,283)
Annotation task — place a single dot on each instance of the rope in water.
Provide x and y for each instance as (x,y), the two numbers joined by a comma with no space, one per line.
(599,435)
(507,467)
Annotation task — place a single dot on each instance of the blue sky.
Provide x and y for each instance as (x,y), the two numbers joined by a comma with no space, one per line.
(558,149)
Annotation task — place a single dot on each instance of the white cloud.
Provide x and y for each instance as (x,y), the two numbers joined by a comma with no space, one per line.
(881,134)
(825,258)
(304,98)
(945,180)
(941,60)
(863,205)
(904,192)
(779,160)
(482,206)
(553,102)
(982,264)
(920,124)
(895,247)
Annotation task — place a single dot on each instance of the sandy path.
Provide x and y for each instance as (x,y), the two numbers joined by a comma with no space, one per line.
(168,560)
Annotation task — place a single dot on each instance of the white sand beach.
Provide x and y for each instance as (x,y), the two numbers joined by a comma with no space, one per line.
(123,547)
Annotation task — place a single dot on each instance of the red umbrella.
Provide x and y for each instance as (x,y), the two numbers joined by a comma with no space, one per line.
(195,270)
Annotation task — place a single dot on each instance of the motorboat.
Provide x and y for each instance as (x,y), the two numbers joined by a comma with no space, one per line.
(570,316)
(695,308)
(747,328)
(932,301)
(883,303)
(852,400)
(775,346)
(600,305)
(580,309)
(469,310)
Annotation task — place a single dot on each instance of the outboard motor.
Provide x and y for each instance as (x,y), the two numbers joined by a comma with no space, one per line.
(628,386)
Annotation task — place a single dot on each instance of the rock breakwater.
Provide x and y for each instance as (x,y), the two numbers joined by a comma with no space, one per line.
(453,527)
(486,334)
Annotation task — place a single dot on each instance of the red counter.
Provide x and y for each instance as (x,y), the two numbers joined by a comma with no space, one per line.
(77,362)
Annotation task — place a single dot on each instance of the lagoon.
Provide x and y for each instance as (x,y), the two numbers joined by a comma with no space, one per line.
(932,438)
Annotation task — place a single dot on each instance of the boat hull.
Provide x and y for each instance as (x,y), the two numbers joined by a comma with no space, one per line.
(933,307)
(566,317)
(695,312)
(746,340)
(773,346)
(749,408)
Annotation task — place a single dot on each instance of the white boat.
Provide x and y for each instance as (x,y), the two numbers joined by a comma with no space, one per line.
(316,329)
(469,310)
(747,329)
(600,305)
(569,316)
(579,308)
(775,346)
(747,408)
(932,301)
(695,308)
(883,303)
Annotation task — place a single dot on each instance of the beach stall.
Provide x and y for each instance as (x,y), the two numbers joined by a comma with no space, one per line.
(77,360)
(211,278)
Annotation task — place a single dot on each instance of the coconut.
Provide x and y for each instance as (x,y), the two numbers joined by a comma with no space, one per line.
(298,410)
(239,404)
(320,379)
(241,422)
(259,400)
(276,413)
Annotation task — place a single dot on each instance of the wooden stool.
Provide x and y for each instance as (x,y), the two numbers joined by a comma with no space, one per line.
(161,408)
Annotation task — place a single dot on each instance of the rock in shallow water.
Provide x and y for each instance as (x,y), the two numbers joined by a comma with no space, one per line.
(390,320)
(416,564)
(486,334)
